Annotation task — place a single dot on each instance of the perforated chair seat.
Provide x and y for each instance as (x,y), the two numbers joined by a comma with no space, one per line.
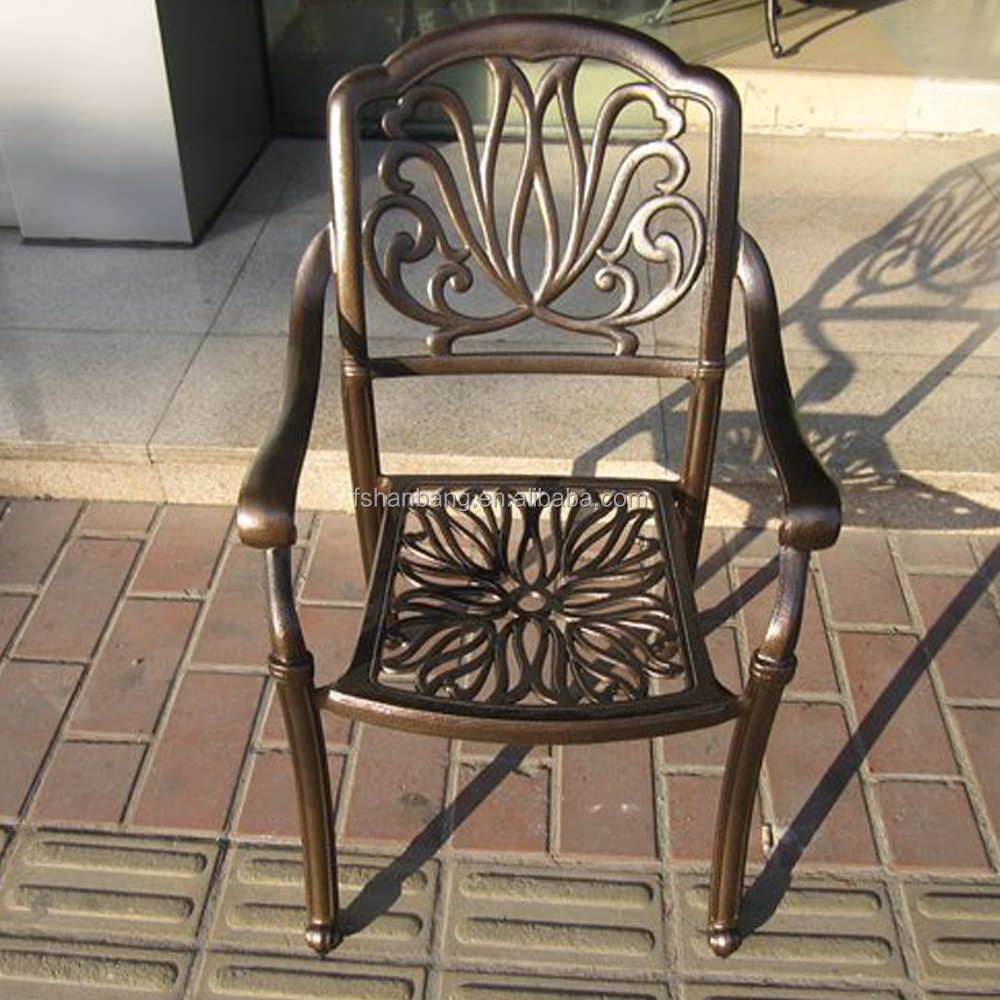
(531,611)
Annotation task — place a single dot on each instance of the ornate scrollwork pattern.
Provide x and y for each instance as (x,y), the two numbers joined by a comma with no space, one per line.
(468,236)
(506,597)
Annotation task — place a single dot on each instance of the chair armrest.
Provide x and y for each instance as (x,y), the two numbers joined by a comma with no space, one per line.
(812,503)
(266,511)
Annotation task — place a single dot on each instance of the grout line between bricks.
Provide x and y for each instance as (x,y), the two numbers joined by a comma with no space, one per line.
(43,584)
(202,937)
(54,744)
(440,910)
(671,927)
(906,928)
(967,771)
(56,739)
(173,690)
(986,704)
(555,800)
(849,714)
(237,794)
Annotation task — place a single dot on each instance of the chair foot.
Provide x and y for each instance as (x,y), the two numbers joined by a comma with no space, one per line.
(724,940)
(323,937)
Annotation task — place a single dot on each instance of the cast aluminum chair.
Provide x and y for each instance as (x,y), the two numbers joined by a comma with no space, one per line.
(532,610)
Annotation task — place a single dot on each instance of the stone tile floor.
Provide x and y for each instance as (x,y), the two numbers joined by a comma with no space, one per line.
(147,829)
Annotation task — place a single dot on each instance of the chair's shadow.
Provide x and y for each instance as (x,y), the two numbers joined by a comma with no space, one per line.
(767,890)
(382,892)
(945,244)
(926,264)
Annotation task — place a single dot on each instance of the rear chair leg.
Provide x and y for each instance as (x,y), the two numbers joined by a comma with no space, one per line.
(739,788)
(312,788)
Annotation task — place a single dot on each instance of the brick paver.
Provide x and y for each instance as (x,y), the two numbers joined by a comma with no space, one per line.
(269,808)
(398,788)
(235,629)
(692,807)
(195,767)
(963,632)
(117,518)
(133,701)
(129,681)
(72,613)
(930,551)
(513,817)
(12,611)
(606,806)
(33,698)
(184,550)
(88,783)
(335,573)
(901,730)
(862,580)
(930,825)
(812,766)
(30,536)
(980,729)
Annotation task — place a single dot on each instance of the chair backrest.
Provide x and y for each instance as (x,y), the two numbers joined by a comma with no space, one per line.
(532,242)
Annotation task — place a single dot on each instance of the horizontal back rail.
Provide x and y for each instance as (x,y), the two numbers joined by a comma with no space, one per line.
(538,364)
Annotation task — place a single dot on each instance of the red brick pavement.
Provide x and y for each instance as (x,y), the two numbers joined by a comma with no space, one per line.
(133,696)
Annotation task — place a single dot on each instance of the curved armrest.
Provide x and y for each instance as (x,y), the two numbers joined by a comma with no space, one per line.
(266,511)
(812,503)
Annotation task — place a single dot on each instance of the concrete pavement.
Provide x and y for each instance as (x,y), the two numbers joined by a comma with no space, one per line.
(139,374)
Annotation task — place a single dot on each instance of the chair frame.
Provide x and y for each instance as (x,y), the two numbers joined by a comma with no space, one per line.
(266,514)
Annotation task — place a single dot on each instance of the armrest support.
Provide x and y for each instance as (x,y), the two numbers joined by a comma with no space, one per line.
(812,503)
(266,511)
(778,647)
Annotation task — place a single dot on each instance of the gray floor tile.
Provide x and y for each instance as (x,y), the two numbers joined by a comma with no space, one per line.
(259,300)
(306,192)
(800,168)
(93,387)
(231,393)
(588,419)
(261,189)
(875,415)
(148,289)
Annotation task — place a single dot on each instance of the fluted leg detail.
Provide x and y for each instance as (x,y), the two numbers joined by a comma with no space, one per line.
(739,788)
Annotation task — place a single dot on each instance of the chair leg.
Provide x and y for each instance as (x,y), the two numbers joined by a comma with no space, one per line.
(739,788)
(312,788)
(772,13)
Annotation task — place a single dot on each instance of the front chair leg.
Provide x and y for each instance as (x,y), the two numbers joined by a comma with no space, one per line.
(312,789)
(739,788)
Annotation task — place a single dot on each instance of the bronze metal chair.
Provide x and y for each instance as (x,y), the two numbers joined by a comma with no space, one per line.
(532,610)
